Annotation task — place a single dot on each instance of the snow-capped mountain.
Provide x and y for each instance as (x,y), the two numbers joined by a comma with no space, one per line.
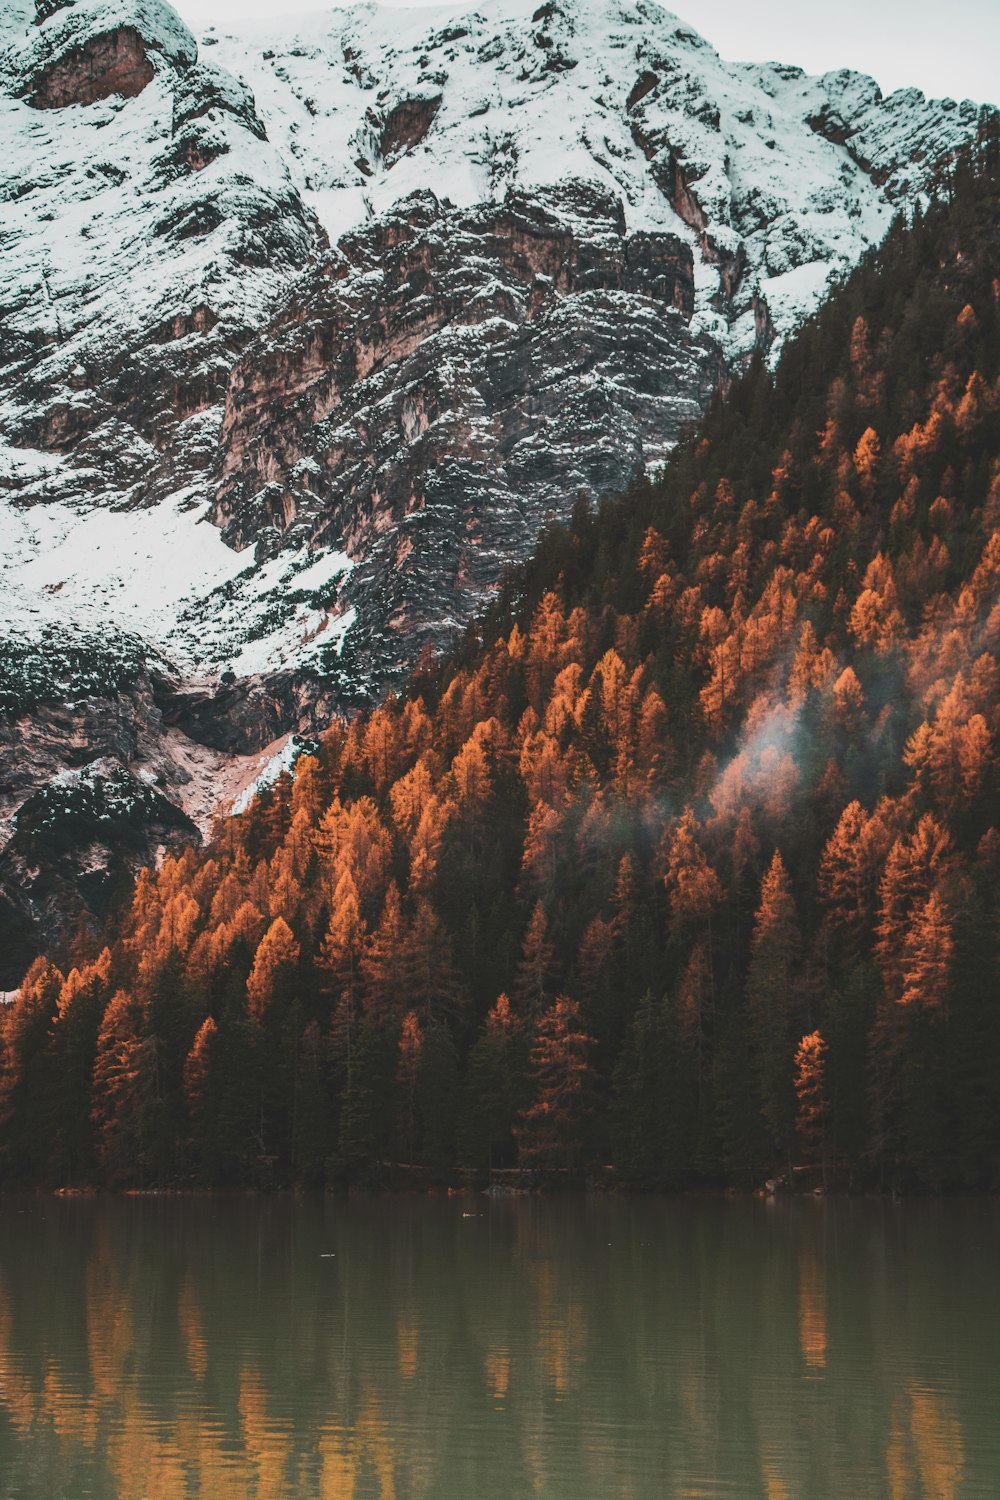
(304,336)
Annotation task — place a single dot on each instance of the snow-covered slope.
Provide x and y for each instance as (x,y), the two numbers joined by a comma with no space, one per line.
(793,175)
(307,332)
(143,239)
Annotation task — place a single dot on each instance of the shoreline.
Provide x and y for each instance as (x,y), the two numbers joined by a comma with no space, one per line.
(465,1192)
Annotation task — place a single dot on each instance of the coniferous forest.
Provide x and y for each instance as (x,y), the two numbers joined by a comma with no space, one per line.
(686,864)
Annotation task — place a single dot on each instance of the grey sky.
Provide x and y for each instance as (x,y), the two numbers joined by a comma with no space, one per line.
(944,49)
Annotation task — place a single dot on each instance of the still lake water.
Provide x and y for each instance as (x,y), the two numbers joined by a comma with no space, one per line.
(484,1349)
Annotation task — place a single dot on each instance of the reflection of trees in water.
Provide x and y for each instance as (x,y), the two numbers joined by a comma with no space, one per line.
(812,1307)
(925,1453)
(417,1348)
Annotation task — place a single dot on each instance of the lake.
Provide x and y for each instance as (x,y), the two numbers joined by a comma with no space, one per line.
(458,1348)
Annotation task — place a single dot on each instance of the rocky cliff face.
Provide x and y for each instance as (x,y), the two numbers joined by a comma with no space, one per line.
(144,238)
(446,382)
(305,338)
(109,758)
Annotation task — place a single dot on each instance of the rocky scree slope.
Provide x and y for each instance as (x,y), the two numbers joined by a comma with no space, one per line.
(305,336)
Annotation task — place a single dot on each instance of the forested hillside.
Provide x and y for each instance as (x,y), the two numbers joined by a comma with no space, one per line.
(687,862)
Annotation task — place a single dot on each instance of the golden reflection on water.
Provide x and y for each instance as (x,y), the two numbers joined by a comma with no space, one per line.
(774,1486)
(812,1308)
(192,1329)
(925,1456)
(171,1350)
(561,1323)
(498,1373)
(407,1338)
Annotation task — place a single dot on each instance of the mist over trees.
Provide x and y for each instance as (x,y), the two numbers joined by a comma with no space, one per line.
(687,862)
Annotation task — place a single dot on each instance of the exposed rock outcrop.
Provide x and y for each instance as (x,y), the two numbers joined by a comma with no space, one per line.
(405,126)
(108,758)
(75,843)
(445,382)
(80,52)
(114,62)
(87,791)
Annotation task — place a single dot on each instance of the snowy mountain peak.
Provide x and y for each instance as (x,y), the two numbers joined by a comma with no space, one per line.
(771,171)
